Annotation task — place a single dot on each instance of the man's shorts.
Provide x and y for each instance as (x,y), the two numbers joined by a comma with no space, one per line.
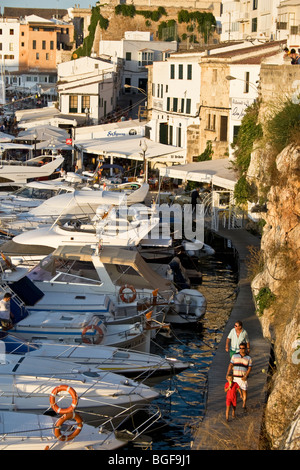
(242,383)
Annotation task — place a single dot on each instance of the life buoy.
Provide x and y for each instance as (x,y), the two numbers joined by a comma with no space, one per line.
(127,300)
(60,422)
(97,339)
(63,388)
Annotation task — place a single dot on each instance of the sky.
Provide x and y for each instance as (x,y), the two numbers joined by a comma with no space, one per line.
(64,4)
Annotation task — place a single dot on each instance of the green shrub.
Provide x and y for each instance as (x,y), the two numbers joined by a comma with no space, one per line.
(264,299)
(283,127)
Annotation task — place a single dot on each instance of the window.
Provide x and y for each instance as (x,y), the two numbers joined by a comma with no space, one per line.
(43,45)
(11,46)
(128,56)
(161,91)
(73,104)
(37,56)
(11,32)
(215,76)
(188,106)
(0,46)
(34,44)
(180,71)
(247,82)
(189,72)
(168,103)
(172,71)
(51,45)
(153,89)
(223,128)
(145,58)
(85,103)
(255,4)
(181,109)
(47,55)
(211,122)
(22,44)
(254,25)
(158,88)
(175,104)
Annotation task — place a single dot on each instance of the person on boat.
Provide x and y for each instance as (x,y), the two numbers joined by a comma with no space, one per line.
(236,336)
(6,316)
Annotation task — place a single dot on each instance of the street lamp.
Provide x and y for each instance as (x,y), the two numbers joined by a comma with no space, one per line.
(137,88)
(144,148)
(230,77)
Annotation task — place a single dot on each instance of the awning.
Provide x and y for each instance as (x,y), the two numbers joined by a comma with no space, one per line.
(129,147)
(217,172)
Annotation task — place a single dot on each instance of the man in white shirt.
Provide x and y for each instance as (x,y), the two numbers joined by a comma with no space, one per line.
(5,313)
(237,336)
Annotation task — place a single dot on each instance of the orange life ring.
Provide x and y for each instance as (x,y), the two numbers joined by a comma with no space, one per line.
(127,300)
(63,388)
(60,422)
(99,337)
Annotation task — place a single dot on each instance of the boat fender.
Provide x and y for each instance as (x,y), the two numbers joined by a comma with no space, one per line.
(127,300)
(63,388)
(60,422)
(97,338)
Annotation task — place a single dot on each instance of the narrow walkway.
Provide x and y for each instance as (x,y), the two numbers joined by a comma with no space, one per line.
(242,433)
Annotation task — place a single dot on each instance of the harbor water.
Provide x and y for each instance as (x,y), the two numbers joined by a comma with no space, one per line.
(183,399)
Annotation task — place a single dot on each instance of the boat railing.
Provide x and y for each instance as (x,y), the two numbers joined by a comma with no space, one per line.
(125,434)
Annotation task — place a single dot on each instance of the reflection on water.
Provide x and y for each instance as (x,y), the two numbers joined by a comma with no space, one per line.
(185,405)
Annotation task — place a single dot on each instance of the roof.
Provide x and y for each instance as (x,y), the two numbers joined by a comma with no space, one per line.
(47,13)
(217,172)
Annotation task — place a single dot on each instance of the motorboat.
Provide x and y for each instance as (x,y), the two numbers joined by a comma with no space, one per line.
(33,385)
(197,248)
(146,367)
(71,279)
(80,204)
(77,328)
(31,431)
(134,226)
(21,171)
(32,195)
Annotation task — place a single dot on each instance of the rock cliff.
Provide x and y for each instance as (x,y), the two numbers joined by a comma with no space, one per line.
(276,290)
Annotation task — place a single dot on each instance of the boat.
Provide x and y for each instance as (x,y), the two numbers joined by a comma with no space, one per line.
(18,171)
(77,328)
(197,248)
(33,385)
(113,226)
(80,204)
(31,195)
(146,367)
(31,431)
(71,279)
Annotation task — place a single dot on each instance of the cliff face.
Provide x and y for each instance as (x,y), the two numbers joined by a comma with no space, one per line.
(280,318)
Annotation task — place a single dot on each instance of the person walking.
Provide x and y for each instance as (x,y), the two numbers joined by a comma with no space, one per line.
(240,365)
(231,389)
(235,337)
(194,197)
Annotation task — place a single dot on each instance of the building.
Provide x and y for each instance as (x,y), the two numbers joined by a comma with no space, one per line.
(137,50)
(88,87)
(197,100)
(30,49)
(261,19)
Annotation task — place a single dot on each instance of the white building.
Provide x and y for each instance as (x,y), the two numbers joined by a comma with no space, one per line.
(261,19)
(87,87)
(175,98)
(137,50)
(9,44)
(243,91)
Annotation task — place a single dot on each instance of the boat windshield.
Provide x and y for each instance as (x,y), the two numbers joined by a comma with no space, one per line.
(70,271)
(36,193)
